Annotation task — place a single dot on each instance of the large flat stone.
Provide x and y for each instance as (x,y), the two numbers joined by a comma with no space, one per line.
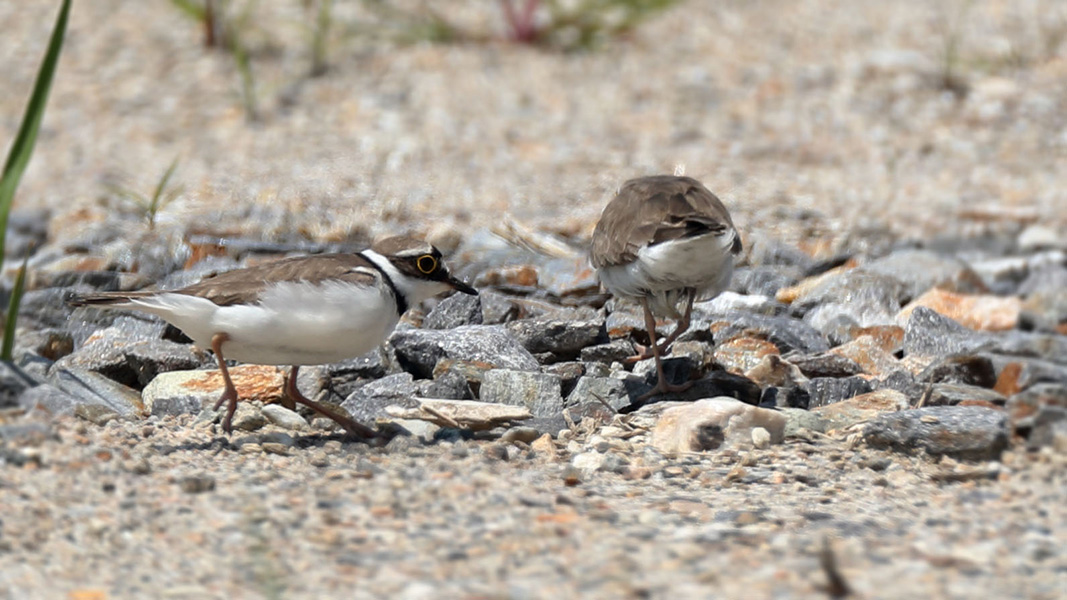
(714,422)
(179,392)
(962,432)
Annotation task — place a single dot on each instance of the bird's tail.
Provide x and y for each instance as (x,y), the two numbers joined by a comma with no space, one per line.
(103,299)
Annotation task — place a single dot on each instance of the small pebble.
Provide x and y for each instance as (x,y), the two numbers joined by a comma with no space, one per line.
(197,484)
(497,452)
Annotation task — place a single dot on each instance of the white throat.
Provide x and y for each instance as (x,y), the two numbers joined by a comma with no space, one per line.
(414,290)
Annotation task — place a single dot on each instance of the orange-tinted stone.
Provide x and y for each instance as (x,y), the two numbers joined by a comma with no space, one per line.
(741,354)
(976,311)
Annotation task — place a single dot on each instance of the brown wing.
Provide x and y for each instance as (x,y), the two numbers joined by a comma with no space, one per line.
(245,285)
(651,210)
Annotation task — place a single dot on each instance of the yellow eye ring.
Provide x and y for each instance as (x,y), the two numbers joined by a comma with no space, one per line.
(426,264)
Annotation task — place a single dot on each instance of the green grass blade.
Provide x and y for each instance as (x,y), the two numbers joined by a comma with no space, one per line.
(13,312)
(153,205)
(17,159)
(22,148)
(191,9)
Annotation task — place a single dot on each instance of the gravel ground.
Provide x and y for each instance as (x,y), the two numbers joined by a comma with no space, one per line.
(824,126)
(152,511)
(811,119)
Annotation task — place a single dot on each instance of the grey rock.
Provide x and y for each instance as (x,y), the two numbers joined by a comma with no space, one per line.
(97,414)
(450,384)
(284,418)
(130,360)
(568,372)
(149,359)
(930,334)
(419,350)
(764,280)
(368,403)
(1051,347)
(969,370)
(1050,278)
(248,418)
(550,425)
(838,329)
(785,332)
(829,390)
(47,307)
(626,321)
(1026,404)
(93,388)
(676,369)
(538,392)
(585,400)
(50,399)
(27,228)
(90,323)
(769,251)
(951,394)
(1041,237)
(499,308)
(24,434)
(825,365)
(920,270)
(1045,310)
(168,395)
(209,265)
(1002,276)
(961,432)
(34,366)
(712,385)
(369,366)
(524,434)
(455,311)
(460,376)
(785,397)
(728,302)
(565,339)
(798,419)
(867,298)
(13,382)
(424,431)
(1034,370)
(1049,426)
(49,343)
(903,382)
(568,278)
(613,351)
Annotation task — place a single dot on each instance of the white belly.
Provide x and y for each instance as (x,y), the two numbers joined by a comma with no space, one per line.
(663,271)
(293,324)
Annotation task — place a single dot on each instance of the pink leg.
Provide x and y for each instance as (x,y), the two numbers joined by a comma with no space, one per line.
(230,393)
(350,425)
(662,387)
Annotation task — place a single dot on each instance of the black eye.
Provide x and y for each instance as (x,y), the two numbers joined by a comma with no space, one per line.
(427,264)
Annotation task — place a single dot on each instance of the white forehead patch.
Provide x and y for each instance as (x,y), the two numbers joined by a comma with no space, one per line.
(415,251)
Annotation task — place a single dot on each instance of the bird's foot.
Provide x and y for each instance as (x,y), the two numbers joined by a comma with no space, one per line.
(662,387)
(643,352)
(227,419)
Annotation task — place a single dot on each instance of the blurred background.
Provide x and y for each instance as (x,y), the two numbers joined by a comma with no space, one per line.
(829,125)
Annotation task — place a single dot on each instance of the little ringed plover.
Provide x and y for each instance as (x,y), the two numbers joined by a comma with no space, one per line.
(663,241)
(298,311)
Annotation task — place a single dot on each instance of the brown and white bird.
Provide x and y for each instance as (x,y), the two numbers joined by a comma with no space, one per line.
(664,241)
(305,310)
